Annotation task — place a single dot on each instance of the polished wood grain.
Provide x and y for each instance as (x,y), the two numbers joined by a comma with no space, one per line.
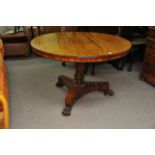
(81,46)
(148,70)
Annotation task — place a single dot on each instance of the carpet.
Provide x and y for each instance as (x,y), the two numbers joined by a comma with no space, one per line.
(35,101)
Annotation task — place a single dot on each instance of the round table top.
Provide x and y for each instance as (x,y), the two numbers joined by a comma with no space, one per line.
(80,46)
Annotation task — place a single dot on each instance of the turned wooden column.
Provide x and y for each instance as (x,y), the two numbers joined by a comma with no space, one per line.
(79,73)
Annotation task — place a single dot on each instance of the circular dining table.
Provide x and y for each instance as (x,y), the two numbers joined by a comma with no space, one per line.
(80,48)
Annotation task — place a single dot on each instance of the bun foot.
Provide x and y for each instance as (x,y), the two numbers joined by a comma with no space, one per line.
(67,111)
(109,92)
(63,64)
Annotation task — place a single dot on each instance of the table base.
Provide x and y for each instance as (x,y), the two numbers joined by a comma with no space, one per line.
(77,88)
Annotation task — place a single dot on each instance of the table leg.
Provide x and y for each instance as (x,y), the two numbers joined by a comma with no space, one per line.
(77,87)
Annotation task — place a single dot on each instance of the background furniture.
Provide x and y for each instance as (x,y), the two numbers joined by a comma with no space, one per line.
(80,48)
(39,30)
(137,35)
(99,29)
(148,70)
(4,114)
(18,43)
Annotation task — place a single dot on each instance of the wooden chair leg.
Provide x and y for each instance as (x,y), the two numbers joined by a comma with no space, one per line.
(86,68)
(123,62)
(119,64)
(93,69)
(130,60)
(63,64)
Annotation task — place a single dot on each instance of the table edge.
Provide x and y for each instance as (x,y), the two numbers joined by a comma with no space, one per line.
(84,59)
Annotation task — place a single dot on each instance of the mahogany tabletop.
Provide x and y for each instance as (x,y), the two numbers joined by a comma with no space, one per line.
(80,46)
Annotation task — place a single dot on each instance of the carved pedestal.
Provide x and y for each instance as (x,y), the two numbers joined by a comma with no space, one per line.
(77,87)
